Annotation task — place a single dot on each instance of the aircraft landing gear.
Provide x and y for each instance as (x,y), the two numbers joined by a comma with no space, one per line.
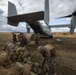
(51,36)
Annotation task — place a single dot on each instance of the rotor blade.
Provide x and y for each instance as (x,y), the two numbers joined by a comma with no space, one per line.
(70,15)
(66,16)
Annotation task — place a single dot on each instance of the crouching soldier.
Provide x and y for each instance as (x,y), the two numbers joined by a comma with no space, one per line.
(49,54)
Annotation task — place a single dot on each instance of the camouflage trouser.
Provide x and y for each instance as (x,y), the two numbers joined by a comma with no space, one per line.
(52,66)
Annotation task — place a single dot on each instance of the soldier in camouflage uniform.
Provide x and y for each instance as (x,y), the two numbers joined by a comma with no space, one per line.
(14,38)
(49,59)
(22,40)
(37,38)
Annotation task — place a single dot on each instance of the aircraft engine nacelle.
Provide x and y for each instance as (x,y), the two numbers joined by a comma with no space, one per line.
(73,24)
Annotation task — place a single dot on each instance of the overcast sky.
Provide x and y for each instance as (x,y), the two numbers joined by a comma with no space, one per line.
(57,8)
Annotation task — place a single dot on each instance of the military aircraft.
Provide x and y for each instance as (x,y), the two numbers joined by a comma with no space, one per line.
(33,19)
